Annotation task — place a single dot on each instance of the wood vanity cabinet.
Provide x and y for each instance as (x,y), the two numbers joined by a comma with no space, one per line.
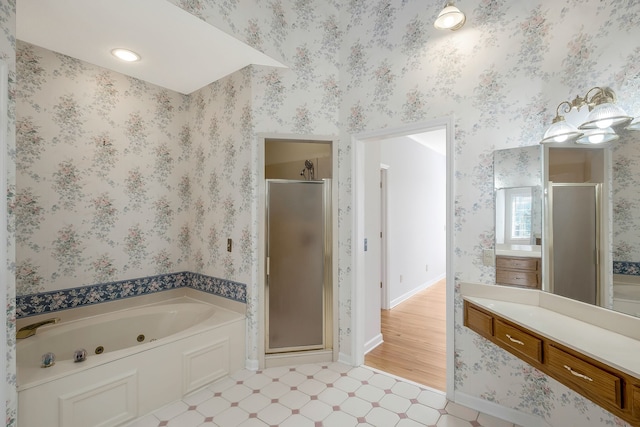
(615,391)
(518,271)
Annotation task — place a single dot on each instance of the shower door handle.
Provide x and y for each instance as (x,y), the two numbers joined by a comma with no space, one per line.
(267,266)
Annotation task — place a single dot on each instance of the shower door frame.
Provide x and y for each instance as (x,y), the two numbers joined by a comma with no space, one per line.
(327,280)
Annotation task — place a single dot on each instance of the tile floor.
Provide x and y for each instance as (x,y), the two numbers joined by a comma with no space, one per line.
(315,395)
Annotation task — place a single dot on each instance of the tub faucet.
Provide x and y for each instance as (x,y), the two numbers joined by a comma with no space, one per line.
(29,330)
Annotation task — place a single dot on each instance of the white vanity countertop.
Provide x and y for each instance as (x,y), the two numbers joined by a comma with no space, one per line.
(531,251)
(612,348)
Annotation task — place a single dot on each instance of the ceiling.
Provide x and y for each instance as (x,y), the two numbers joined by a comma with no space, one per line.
(179,51)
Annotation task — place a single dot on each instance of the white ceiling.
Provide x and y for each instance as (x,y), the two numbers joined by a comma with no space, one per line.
(179,51)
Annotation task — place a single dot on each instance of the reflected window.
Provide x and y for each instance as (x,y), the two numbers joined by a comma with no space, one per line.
(518,215)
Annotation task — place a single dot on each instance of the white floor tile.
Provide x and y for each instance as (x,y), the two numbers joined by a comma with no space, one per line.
(254,403)
(312,387)
(275,390)
(274,414)
(356,407)
(423,414)
(370,393)
(316,410)
(381,417)
(257,381)
(231,417)
(432,399)
(384,382)
(297,420)
(394,403)
(294,399)
(333,396)
(339,419)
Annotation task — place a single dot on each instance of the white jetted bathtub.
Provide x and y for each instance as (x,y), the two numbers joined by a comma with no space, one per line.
(138,359)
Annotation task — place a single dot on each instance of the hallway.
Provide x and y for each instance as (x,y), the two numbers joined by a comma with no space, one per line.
(414,334)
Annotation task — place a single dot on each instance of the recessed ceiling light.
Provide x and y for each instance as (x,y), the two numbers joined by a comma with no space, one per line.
(125,55)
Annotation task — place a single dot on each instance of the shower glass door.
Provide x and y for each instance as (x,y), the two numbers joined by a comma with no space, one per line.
(296,268)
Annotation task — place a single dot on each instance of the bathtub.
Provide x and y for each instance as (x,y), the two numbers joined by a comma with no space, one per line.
(138,359)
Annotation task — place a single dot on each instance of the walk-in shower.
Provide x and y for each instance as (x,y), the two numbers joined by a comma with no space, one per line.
(298,265)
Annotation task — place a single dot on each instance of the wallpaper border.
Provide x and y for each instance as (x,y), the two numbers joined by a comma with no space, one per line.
(47,302)
(627,268)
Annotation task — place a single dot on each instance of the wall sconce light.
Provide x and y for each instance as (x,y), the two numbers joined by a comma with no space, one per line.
(599,126)
(451,18)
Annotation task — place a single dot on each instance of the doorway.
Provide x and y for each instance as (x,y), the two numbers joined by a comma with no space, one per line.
(366,321)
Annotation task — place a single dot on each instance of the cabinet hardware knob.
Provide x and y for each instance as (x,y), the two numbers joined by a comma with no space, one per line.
(577,374)
(514,340)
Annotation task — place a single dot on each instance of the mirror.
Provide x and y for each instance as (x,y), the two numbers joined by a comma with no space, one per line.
(518,215)
(610,176)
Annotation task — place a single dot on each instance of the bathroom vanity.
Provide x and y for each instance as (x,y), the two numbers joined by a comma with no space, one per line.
(518,265)
(572,342)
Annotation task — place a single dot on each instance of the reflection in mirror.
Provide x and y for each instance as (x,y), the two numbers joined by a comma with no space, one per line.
(518,216)
(626,223)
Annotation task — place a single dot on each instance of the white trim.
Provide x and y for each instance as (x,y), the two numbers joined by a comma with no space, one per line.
(373,343)
(4,271)
(357,237)
(499,411)
(384,229)
(422,287)
(345,358)
(252,364)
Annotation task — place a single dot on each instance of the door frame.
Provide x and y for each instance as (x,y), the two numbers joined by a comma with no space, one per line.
(358,141)
(384,241)
(256,312)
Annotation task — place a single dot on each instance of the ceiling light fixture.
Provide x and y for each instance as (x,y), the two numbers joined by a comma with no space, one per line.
(125,54)
(599,126)
(450,18)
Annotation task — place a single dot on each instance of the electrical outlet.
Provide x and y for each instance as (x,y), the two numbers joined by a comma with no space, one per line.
(426,267)
(229,245)
(488,259)
(401,278)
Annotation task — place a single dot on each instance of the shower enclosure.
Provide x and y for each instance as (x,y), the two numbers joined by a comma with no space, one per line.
(574,246)
(298,265)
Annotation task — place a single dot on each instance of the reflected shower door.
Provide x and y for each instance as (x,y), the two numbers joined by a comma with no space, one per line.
(574,261)
(296,249)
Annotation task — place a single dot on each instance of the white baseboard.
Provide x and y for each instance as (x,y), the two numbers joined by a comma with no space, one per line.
(251,364)
(414,291)
(346,359)
(298,358)
(373,343)
(499,411)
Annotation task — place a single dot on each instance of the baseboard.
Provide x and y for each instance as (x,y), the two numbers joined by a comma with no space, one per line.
(373,343)
(298,358)
(251,364)
(425,285)
(499,411)
(346,359)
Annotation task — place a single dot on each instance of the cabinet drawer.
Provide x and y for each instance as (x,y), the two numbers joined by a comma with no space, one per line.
(526,345)
(517,277)
(477,320)
(635,401)
(530,264)
(596,383)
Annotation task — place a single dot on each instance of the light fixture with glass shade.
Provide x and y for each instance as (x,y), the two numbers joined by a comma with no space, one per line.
(450,18)
(602,124)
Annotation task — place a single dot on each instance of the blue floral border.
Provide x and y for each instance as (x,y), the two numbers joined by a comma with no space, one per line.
(46,302)
(627,268)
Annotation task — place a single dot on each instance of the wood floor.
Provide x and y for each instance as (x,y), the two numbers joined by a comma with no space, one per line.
(414,334)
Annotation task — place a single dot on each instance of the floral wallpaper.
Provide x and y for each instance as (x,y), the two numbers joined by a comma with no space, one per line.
(157,181)
(626,204)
